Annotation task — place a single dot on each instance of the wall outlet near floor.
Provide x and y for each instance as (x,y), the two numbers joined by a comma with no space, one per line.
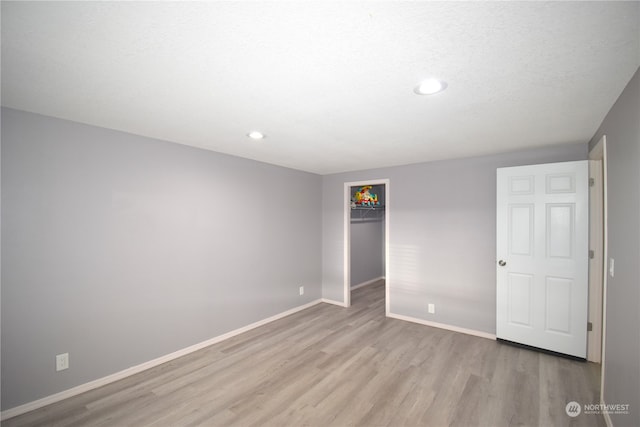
(301,290)
(62,362)
(432,309)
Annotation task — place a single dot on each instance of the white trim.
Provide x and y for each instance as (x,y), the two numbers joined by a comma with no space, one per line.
(596,270)
(387,264)
(367,283)
(346,281)
(347,236)
(607,416)
(36,404)
(599,151)
(443,326)
(334,302)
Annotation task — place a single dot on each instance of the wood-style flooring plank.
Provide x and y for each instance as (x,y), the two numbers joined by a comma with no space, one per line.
(333,366)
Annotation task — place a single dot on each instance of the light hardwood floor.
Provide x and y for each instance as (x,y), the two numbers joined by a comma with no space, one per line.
(331,366)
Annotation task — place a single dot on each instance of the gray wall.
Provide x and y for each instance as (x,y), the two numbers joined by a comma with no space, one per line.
(367,251)
(622,347)
(442,234)
(119,249)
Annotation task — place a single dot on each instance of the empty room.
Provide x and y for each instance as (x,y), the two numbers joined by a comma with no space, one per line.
(320,213)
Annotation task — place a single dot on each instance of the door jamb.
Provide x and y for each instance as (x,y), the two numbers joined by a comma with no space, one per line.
(596,270)
(346,200)
(599,152)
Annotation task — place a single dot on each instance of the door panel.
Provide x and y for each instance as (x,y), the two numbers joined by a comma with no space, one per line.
(558,301)
(521,299)
(560,230)
(521,229)
(542,239)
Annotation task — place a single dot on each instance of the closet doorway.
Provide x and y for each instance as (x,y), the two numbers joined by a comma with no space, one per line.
(366,235)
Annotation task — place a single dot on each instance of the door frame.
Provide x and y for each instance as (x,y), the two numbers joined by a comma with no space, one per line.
(596,270)
(346,200)
(533,195)
(599,153)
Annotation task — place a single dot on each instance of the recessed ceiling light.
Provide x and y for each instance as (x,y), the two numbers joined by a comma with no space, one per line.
(255,135)
(430,86)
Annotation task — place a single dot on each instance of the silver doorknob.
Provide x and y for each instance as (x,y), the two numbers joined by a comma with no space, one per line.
(502,263)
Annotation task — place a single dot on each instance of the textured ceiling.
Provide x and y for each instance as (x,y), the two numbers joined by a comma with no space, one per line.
(331,84)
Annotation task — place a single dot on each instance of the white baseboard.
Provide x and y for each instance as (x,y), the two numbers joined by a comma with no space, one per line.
(607,416)
(443,326)
(334,302)
(368,282)
(36,404)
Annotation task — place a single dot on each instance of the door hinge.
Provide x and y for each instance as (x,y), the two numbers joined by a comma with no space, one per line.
(589,326)
(592,182)
(592,254)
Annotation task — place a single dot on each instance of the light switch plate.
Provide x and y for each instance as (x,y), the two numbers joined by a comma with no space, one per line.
(611,267)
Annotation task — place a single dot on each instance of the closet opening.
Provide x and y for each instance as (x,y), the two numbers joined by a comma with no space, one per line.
(366,236)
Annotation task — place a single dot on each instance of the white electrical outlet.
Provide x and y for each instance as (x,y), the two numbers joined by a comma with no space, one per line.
(432,309)
(62,362)
(301,290)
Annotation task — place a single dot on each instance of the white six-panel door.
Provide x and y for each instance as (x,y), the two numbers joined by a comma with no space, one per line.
(542,256)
